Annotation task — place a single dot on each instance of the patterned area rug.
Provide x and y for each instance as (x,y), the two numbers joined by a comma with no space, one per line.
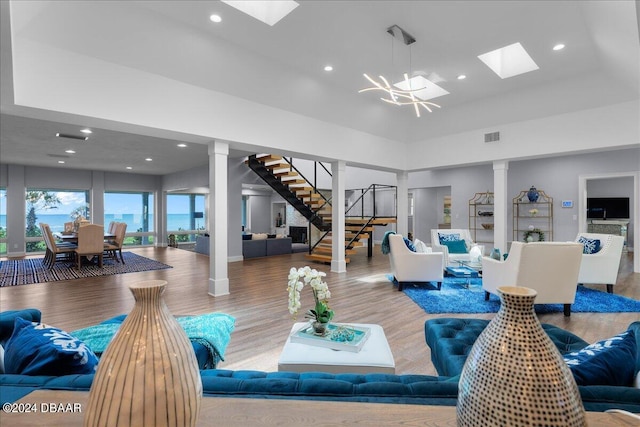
(28,271)
(454,297)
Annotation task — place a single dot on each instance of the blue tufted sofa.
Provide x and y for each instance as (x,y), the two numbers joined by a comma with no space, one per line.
(451,339)
(418,389)
(380,388)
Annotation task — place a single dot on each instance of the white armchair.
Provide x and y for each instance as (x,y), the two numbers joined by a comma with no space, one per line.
(550,268)
(451,258)
(602,266)
(408,266)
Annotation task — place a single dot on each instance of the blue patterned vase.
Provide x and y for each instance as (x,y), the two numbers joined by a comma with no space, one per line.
(533,194)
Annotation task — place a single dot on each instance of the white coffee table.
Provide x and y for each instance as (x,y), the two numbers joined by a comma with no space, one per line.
(375,355)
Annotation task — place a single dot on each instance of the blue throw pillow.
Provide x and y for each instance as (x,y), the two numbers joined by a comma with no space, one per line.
(39,349)
(591,246)
(448,237)
(607,362)
(409,244)
(456,246)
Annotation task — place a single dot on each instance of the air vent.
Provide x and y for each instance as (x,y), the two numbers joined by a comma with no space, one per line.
(492,137)
(66,135)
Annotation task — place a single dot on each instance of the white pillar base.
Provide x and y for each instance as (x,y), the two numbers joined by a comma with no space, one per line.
(218,287)
(338,266)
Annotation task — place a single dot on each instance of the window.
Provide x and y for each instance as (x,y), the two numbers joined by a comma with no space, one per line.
(136,210)
(3,221)
(53,207)
(186,216)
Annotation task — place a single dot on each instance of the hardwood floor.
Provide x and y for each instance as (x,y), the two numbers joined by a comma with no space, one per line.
(258,300)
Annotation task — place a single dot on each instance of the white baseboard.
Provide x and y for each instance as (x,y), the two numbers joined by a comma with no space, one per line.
(235,258)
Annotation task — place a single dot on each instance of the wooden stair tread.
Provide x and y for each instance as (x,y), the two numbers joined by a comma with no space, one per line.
(376,221)
(276,166)
(323,258)
(358,228)
(267,158)
(302,189)
(328,250)
(285,173)
(293,181)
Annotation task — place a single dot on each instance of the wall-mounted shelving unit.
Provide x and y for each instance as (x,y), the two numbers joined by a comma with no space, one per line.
(481,217)
(532,221)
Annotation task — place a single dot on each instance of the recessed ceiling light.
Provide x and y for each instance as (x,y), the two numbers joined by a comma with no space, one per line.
(129,167)
(559,46)
(328,68)
(215,18)
(182,145)
(87,131)
(462,77)
(61,161)
(509,61)
(70,151)
(269,12)
(149,159)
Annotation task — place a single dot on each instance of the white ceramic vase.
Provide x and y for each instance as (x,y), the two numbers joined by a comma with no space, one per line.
(514,375)
(148,375)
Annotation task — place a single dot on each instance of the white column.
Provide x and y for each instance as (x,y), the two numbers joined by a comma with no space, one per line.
(160,220)
(402,195)
(218,271)
(338,264)
(501,198)
(16,210)
(97,198)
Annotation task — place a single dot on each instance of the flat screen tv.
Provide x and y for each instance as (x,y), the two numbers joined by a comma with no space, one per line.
(608,207)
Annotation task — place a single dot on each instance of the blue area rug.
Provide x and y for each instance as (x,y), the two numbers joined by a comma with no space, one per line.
(455,298)
(31,270)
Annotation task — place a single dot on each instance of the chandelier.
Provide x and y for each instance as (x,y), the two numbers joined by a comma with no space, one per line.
(400,93)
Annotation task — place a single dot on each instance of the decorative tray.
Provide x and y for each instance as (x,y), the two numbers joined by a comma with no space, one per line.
(358,336)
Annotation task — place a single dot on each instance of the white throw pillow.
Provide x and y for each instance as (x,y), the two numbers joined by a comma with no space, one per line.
(259,236)
(421,247)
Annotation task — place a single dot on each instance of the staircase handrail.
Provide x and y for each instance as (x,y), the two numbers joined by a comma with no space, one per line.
(366,190)
(314,185)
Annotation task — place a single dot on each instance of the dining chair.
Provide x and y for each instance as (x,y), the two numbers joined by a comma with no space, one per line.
(114,247)
(90,243)
(54,248)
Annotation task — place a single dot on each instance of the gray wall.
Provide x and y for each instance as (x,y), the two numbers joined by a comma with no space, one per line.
(557,176)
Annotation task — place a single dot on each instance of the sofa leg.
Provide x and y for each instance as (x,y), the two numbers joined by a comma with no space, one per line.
(610,288)
(399,286)
(439,285)
(486,296)
(567,310)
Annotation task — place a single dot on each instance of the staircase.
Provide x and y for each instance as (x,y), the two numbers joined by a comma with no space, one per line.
(292,186)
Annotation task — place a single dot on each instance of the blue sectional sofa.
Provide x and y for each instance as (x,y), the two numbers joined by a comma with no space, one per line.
(380,388)
(420,389)
(451,340)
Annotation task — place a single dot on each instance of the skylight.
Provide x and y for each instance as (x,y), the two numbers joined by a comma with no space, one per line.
(430,91)
(269,12)
(509,61)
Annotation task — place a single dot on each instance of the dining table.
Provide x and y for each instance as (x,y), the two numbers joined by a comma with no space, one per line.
(73,237)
